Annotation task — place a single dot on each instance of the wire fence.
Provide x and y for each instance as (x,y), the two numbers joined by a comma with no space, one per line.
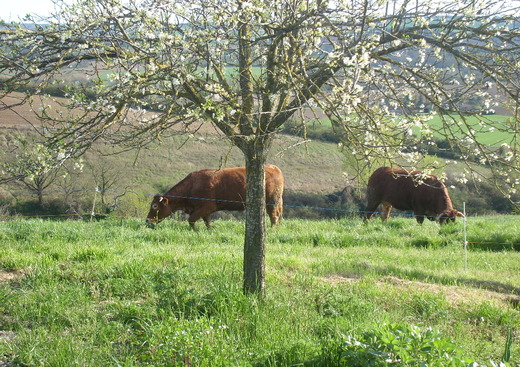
(93,214)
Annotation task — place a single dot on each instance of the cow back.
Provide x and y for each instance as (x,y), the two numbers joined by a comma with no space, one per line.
(221,189)
(408,190)
(225,189)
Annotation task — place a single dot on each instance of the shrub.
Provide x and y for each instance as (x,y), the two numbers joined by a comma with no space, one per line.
(313,131)
(318,206)
(132,205)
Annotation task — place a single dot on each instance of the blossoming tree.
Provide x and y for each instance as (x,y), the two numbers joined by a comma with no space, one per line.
(247,66)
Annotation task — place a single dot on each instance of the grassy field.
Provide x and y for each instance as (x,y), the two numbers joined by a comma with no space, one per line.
(312,170)
(491,130)
(117,293)
(496,132)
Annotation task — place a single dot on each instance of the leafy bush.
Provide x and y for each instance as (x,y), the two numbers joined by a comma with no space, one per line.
(318,206)
(401,345)
(132,205)
(483,199)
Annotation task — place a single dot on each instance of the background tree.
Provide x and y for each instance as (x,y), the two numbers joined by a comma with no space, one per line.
(106,178)
(36,166)
(248,66)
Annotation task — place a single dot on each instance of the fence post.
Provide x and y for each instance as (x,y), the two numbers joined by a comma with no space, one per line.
(93,212)
(465,238)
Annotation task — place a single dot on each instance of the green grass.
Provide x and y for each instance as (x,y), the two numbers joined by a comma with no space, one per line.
(490,130)
(496,129)
(115,292)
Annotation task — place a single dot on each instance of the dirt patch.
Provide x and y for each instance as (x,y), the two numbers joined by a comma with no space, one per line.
(456,295)
(19,115)
(7,335)
(336,279)
(10,276)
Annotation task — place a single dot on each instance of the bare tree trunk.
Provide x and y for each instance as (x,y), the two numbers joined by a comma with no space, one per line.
(40,197)
(254,246)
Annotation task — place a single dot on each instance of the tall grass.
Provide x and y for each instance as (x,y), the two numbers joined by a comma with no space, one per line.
(115,292)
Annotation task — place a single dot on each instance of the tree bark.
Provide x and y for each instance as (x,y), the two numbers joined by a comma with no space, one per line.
(254,246)
(40,197)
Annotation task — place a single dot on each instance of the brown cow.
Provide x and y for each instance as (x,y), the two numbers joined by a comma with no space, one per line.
(426,195)
(204,192)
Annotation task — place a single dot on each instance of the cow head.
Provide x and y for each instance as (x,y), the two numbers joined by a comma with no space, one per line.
(159,209)
(448,216)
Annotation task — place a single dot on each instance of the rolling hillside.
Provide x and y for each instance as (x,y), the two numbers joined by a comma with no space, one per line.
(315,171)
(315,168)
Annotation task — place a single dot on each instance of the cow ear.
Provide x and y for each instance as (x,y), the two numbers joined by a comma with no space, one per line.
(163,199)
(459,214)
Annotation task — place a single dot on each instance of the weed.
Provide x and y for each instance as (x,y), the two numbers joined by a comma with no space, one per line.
(402,345)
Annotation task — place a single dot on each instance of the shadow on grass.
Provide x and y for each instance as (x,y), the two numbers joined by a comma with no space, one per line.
(512,292)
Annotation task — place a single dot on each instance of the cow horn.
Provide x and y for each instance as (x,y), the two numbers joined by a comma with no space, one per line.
(460,215)
(162,198)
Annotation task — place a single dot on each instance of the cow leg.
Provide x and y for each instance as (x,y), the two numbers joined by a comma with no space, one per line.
(419,218)
(207,220)
(371,209)
(192,221)
(275,213)
(193,218)
(203,213)
(385,213)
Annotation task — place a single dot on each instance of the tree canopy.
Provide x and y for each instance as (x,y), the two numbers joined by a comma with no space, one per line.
(378,70)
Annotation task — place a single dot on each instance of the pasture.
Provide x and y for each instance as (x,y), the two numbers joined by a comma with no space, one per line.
(492,130)
(117,293)
(158,166)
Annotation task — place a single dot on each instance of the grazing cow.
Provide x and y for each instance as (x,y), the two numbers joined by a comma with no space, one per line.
(426,195)
(204,192)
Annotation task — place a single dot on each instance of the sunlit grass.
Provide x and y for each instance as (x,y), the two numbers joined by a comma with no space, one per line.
(116,292)
(491,130)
